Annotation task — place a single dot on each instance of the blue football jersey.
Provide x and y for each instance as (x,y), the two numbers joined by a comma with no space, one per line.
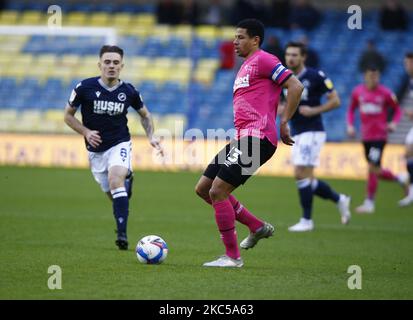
(316,84)
(104,109)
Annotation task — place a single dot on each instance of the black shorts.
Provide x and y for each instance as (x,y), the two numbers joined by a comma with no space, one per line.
(373,151)
(239,159)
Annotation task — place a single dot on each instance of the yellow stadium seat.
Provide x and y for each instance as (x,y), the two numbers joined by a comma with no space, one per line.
(100,19)
(227,33)
(75,19)
(8,114)
(180,76)
(204,76)
(32,18)
(120,20)
(139,62)
(70,60)
(162,32)
(157,75)
(182,31)
(62,72)
(86,72)
(89,60)
(183,63)
(207,32)
(171,121)
(144,19)
(9,17)
(162,63)
(5,58)
(140,31)
(39,71)
(131,75)
(46,59)
(208,64)
(7,119)
(13,44)
(28,121)
(52,121)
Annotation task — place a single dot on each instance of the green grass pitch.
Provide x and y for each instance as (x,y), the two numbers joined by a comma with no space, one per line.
(60,217)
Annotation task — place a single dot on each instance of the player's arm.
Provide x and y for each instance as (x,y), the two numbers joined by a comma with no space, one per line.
(148,126)
(295,88)
(333,101)
(351,131)
(397,115)
(91,136)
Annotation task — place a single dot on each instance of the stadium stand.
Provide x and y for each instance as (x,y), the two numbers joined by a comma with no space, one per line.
(177,68)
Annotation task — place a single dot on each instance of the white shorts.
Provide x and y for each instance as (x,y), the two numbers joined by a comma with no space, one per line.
(409,137)
(307,147)
(100,162)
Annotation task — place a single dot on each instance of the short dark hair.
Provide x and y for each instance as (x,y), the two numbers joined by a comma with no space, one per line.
(254,28)
(108,48)
(296,44)
(409,55)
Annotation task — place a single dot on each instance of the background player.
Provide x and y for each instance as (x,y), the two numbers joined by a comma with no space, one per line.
(256,93)
(374,101)
(309,136)
(104,103)
(408,64)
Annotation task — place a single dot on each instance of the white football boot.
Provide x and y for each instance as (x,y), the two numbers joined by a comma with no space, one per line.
(343,205)
(408,200)
(366,207)
(225,262)
(266,231)
(302,226)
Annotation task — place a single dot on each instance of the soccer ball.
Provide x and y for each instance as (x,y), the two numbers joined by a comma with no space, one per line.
(151,250)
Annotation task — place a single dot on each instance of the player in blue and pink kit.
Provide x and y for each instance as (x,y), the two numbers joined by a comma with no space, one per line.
(373,101)
(256,94)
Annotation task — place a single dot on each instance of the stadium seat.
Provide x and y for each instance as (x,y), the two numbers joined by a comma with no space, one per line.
(8,17)
(75,19)
(32,18)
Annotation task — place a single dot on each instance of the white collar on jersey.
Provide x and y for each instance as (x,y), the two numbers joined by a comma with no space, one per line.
(110,89)
(302,72)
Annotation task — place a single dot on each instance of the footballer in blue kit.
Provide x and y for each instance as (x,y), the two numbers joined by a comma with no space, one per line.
(309,135)
(104,103)
(408,199)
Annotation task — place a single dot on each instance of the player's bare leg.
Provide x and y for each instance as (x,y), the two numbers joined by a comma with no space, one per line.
(116,176)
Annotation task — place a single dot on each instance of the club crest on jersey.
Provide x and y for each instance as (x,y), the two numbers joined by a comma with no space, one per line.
(242,82)
(121,96)
(108,107)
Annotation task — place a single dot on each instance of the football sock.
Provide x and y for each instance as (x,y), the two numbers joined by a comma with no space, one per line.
(244,216)
(372,183)
(409,165)
(120,209)
(305,192)
(323,190)
(225,219)
(386,174)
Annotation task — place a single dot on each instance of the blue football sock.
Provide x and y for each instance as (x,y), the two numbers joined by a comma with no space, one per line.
(306,197)
(410,169)
(120,209)
(323,190)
